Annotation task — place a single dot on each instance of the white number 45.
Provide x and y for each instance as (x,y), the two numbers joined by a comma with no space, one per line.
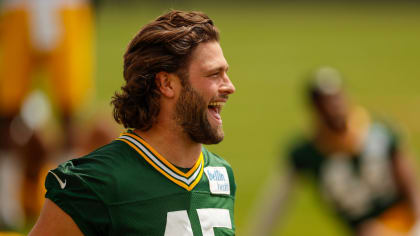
(178,223)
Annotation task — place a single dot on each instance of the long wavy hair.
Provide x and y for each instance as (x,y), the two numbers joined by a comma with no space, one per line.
(162,45)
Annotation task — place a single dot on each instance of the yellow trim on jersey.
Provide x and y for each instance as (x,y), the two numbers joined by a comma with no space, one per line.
(162,159)
(186,180)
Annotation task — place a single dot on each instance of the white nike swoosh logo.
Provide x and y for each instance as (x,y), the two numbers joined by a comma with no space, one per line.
(62,184)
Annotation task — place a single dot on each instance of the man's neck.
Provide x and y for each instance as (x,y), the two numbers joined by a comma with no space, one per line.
(350,140)
(174,145)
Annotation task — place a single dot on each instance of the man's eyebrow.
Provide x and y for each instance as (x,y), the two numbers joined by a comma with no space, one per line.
(219,68)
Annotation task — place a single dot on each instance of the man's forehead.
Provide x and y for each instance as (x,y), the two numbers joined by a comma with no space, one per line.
(208,55)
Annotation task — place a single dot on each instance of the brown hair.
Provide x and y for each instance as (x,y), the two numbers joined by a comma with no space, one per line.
(162,45)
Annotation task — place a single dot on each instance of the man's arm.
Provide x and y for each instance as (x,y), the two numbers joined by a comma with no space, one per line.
(404,169)
(408,180)
(271,205)
(54,221)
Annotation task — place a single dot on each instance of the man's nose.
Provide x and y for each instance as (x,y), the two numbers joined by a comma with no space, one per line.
(227,86)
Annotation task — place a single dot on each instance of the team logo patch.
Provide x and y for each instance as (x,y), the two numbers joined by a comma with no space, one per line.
(218,180)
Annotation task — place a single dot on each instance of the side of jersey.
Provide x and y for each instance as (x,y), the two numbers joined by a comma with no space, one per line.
(116,191)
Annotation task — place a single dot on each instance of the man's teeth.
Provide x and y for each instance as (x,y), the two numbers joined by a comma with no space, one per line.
(217,104)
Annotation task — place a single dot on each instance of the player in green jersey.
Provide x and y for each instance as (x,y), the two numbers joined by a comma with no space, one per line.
(157,178)
(357,163)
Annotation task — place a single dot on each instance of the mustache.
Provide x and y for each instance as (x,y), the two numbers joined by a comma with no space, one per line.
(222,96)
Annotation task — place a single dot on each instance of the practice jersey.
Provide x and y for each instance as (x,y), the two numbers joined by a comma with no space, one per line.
(359,186)
(127,188)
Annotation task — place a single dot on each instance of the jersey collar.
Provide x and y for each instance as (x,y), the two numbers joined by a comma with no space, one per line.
(185,180)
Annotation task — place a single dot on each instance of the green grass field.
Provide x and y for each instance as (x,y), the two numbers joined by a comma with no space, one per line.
(270,47)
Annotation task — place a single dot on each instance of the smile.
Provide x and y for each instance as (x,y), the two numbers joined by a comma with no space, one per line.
(214,109)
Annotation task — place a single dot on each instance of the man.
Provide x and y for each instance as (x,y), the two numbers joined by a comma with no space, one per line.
(51,36)
(156,179)
(357,163)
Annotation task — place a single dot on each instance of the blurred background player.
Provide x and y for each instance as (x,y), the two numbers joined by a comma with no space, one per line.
(52,38)
(357,164)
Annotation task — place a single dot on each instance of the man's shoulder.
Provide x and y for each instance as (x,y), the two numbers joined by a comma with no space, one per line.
(302,153)
(215,160)
(384,126)
(114,147)
(100,172)
(300,145)
(105,158)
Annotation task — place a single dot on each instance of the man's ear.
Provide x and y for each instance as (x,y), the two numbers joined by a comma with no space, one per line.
(166,83)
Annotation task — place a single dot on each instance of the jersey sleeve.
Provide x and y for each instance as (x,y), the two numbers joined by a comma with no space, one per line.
(67,188)
(298,159)
(303,157)
(394,144)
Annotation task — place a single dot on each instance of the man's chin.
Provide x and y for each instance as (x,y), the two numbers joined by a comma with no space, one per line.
(217,138)
(214,141)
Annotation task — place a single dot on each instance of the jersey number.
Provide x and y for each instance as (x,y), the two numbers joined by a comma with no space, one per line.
(178,223)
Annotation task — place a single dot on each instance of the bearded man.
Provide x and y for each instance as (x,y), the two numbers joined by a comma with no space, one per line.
(156,178)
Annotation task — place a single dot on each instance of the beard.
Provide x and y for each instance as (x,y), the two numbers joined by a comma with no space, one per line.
(191,115)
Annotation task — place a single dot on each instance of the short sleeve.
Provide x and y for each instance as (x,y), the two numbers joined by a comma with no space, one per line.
(67,188)
(304,157)
(394,144)
(296,161)
(297,157)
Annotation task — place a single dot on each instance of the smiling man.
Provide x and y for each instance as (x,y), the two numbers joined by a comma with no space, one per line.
(157,178)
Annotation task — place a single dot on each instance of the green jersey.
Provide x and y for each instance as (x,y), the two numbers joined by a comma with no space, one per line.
(127,188)
(360,185)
